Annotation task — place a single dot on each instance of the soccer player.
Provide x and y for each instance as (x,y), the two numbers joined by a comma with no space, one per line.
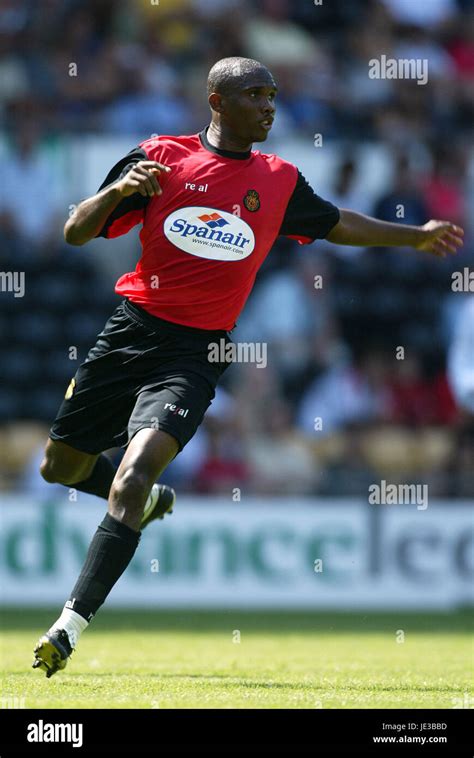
(211,209)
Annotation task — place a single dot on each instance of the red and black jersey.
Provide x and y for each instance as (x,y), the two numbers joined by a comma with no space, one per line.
(204,239)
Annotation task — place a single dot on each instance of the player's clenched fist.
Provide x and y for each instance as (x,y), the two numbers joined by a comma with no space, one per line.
(440,238)
(143,178)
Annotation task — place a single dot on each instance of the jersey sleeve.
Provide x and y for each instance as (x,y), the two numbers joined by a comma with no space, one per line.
(308,216)
(131,210)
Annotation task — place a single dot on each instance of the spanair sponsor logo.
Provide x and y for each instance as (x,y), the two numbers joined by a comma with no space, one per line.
(210,233)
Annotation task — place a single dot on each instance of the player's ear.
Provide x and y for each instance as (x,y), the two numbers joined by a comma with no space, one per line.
(215,101)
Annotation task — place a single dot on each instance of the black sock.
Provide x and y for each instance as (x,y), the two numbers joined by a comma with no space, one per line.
(111,550)
(100,481)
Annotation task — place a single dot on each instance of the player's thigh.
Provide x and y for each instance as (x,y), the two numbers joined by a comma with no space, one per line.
(175,405)
(63,463)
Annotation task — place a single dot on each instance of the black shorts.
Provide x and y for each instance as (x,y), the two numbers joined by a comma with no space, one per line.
(143,372)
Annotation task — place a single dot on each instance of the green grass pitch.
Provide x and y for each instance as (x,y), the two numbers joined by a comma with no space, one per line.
(172,659)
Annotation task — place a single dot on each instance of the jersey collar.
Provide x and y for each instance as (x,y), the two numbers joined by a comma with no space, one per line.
(224,153)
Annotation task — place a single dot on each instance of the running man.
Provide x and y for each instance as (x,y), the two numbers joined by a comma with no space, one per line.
(211,209)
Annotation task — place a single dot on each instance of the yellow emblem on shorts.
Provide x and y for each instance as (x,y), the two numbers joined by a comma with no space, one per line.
(70,389)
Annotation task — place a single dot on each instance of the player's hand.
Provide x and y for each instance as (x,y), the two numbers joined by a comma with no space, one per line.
(143,178)
(440,238)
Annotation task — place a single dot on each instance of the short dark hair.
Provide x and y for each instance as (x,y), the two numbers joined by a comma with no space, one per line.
(229,74)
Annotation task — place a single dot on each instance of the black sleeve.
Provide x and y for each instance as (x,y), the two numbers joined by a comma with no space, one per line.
(308,215)
(133,202)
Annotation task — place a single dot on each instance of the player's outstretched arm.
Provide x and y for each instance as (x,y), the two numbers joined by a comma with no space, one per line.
(91,215)
(436,237)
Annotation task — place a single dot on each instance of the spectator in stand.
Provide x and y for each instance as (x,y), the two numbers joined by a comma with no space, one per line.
(415,42)
(219,473)
(461,357)
(416,400)
(41,217)
(271,36)
(348,473)
(461,49)
(460,471)
(280,456)
(425,14)
(359,95)
(443,188)
(347,193)
(345,393)
(14,81)
(402,198)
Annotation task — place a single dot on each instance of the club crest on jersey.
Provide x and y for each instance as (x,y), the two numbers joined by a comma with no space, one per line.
(252,200)
(210,233)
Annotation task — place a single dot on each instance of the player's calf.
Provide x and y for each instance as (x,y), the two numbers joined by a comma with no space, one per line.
(114,543)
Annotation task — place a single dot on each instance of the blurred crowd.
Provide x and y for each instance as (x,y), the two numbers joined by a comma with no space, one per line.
(356,384)
(126,66)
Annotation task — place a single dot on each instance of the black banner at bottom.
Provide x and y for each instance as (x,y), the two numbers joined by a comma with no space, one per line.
(224,732)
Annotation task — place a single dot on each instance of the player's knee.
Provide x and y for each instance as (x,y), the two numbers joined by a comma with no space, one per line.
(54,472)
(48,471)
(131,487)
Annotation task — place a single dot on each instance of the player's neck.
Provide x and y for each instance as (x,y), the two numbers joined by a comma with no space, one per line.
(219,138)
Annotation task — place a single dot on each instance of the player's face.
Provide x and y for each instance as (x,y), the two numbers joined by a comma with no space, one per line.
(250,111)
